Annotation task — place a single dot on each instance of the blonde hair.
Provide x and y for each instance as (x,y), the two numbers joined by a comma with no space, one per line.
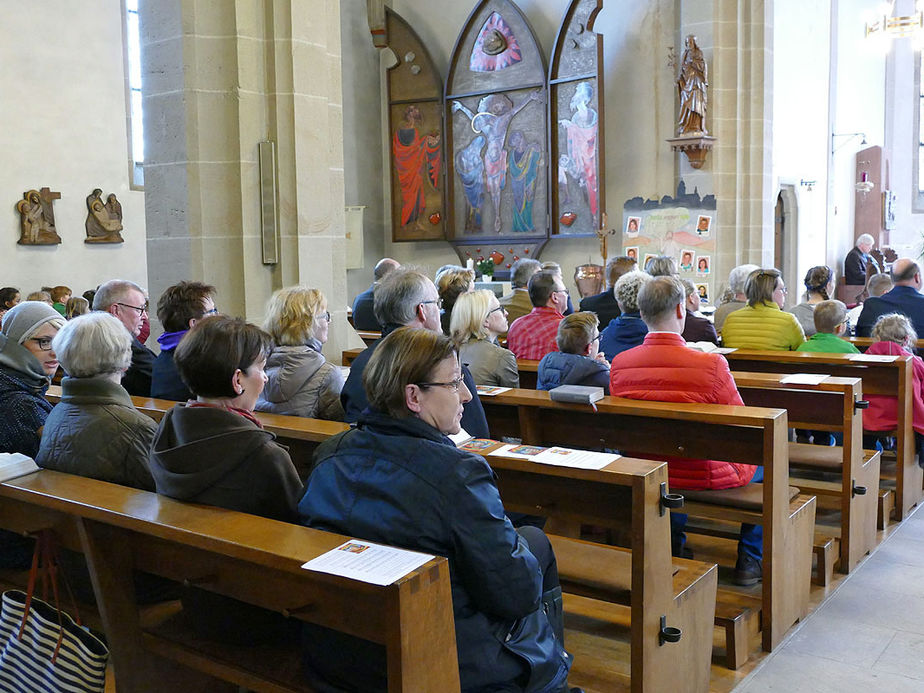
(469,315)
(896,328)
(290,314)
(576,331)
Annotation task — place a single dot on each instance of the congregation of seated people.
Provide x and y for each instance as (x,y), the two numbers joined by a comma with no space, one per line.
(405,393)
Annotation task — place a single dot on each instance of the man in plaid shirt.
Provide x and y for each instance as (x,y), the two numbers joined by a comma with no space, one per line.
(533,335)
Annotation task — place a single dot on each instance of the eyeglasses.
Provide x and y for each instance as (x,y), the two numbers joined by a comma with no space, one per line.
(141,309)
(597,338)
(44,343)
(499,308)
(325,315)
(437,301)
(213,311)
(452,384)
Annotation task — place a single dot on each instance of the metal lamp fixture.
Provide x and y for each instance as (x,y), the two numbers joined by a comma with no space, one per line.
(902,26)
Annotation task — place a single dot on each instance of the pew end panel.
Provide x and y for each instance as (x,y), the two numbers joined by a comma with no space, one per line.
(738,434)
(625,493)
(832,405)
(242,556)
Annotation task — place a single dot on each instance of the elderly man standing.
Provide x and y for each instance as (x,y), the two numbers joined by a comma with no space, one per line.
(533,335)
(905,298)
(859,263)
(127,301)
(736,280)
(363,305)
(517,301)
(664,369)
(407,298)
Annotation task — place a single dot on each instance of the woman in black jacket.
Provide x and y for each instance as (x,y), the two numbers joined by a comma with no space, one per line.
(399,480)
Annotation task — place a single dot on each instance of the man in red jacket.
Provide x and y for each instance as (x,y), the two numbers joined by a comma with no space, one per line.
(664,369)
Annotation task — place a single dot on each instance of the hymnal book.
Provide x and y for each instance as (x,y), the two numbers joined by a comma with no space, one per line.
(580,394)
(14,464)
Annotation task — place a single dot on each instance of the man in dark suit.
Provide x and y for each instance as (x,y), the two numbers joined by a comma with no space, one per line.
(128,302)
(604,304)
(407,298)
(858,261)
(904,298)
(363,311)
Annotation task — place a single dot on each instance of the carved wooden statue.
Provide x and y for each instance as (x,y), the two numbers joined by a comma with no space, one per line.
(691,85)
(104,220)
(37,217)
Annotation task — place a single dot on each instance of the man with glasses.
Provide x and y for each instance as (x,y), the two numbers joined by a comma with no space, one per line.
(533,335)
(179,308)
(407,298)
(127,301)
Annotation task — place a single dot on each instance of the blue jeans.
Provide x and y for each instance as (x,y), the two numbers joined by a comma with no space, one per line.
(750,540)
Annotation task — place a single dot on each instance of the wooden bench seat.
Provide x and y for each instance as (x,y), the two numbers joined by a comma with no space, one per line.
(738,434)
(643,579)
(892,378)
(246,557)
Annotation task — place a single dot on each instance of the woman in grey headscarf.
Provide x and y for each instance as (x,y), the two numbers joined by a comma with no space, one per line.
(27,363)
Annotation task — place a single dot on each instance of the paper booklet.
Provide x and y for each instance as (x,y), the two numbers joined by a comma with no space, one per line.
(14,464)
(803,379)
(490,390)
(710,348)
(368,562)
(560,457)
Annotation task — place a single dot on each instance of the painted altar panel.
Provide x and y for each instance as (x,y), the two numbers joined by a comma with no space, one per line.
(415,121)
(576,112)
(497,129)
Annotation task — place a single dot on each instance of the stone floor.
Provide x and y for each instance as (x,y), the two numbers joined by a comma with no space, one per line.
(868,636)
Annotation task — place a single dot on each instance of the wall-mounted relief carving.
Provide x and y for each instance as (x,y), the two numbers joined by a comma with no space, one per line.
(37,217)
(104,219)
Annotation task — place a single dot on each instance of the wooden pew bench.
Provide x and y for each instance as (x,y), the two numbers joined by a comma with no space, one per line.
(643,579)
(835,406)
(249,558)
(891,378)
(738,434)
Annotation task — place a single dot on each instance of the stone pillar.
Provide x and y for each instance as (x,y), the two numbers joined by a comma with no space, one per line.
(741,120)
(218,78)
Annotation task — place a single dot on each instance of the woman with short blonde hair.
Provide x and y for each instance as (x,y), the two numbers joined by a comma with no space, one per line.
(477,320)
(301,382)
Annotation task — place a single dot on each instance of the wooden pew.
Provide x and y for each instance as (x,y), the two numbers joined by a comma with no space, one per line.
(369,336)
(829,406)
(249,558)
(863,343)
(739,434)
(644,577)
(879,378)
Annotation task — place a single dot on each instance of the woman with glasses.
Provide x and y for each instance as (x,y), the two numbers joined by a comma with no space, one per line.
(27,364)
(477,320)
(819,286)
(762,324)
(398,479)
(300,381)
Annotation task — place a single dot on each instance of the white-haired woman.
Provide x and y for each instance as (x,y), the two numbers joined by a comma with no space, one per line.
(300,381)
(477,319)
(628,329)
(95,430)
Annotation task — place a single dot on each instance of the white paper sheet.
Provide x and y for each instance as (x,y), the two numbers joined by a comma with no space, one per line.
(559,457)
(491,390)
(804,379)
(368,562)
(873,358)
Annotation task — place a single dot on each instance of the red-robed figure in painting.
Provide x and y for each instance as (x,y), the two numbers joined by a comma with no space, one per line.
(581,134)
(415,153)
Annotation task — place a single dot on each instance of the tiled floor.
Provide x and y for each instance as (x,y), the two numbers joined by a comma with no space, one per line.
(868,636)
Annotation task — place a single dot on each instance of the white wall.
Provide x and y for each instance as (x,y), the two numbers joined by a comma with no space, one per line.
(858,106)
(800,125)
(63,125)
